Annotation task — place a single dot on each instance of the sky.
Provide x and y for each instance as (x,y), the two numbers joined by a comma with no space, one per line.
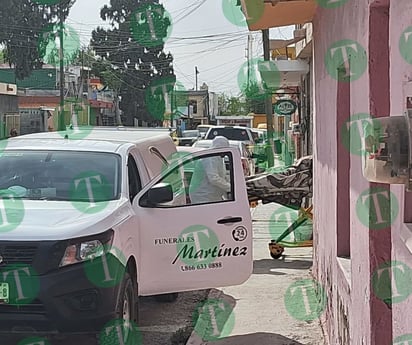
(218,57)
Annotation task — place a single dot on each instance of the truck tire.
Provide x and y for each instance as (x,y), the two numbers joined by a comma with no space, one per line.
(127,310)
(167,297)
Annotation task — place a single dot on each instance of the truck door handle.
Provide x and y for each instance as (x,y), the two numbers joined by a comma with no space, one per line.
(229,220)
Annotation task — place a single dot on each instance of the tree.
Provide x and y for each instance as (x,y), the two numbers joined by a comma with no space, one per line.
(85,57)
(255,99)
(231,105)
(22,25)
(110,77)
(135,60)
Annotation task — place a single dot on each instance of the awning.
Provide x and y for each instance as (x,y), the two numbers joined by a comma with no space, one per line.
(277,13)
(35,102)
(288,73)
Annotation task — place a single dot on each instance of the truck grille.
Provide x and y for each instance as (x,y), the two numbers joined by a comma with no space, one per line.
(35,307)
(17,254)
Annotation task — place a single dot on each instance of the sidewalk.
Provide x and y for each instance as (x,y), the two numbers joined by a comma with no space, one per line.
(257,312)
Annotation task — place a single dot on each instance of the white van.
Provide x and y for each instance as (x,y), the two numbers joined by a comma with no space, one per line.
(90,221)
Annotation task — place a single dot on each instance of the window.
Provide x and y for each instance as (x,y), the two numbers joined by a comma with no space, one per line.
(135,184)
(60,175)
(230,133)
(204,180)
(193,105)
(190,134)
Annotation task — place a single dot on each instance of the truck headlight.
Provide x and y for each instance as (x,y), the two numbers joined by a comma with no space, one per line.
(86,249)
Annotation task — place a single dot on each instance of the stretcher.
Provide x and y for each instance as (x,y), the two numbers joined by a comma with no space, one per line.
(277,246)
(291,187)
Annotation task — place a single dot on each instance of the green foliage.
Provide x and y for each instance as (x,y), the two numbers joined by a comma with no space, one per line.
(107,73)
(85,57)
(3,56)
(231,105)
(134,66)
(22,24)
(254,102)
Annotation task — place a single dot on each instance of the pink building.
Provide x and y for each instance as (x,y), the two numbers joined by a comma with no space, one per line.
(350,247)
(361,64)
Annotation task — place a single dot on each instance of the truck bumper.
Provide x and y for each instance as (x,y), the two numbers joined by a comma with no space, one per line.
(67,303)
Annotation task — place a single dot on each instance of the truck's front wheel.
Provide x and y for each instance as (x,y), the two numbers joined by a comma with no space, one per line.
(123,330)
(127,307)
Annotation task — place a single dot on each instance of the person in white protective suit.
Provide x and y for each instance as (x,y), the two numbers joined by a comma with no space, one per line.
(209,182)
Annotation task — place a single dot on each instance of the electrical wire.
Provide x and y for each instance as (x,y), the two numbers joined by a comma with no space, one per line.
(215,42)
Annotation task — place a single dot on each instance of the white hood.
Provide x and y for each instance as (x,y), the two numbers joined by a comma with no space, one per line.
(60,220)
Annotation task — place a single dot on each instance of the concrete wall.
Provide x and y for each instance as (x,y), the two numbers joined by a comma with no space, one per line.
(348,251)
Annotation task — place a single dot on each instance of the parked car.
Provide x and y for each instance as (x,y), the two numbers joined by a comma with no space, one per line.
(231,133)
(248,162)
(203,130)
(92,220)
(189,137)
(259,135)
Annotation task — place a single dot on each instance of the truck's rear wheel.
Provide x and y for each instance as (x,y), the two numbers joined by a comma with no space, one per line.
(167,297)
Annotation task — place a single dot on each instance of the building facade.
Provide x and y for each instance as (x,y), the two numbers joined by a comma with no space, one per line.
(361,69)
(9,118)
(39,99)
(304,51)
(361,264)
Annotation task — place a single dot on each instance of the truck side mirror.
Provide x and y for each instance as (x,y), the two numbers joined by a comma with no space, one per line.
(387,150)
(158,194)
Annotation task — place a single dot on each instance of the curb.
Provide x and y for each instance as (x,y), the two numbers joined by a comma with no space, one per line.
(196,339)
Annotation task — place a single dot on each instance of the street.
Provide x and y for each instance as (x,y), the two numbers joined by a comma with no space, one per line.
(158,322)
(262,310)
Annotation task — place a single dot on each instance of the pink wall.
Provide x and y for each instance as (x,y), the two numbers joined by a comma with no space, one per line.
(351,303)
(332,25)
(401,71)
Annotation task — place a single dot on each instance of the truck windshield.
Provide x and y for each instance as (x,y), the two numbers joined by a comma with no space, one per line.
(229,133)
(190,134)
(59,175)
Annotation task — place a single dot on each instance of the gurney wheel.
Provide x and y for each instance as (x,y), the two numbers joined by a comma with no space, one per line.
(276,250)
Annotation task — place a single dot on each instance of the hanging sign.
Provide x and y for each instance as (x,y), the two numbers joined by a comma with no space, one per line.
(285,107)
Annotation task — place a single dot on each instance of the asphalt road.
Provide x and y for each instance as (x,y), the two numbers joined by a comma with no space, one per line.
(158,322)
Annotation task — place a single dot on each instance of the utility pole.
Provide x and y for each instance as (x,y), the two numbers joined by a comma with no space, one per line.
(249,52)
(196,73)
(172,105)
(80,87)
(61,125)
(268,104)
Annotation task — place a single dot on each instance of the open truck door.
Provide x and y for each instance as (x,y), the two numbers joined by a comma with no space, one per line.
(193,242)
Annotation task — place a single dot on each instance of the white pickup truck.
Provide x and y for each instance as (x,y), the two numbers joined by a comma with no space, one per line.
(90,222)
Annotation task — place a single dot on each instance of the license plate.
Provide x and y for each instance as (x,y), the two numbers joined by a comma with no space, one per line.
(4,293)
